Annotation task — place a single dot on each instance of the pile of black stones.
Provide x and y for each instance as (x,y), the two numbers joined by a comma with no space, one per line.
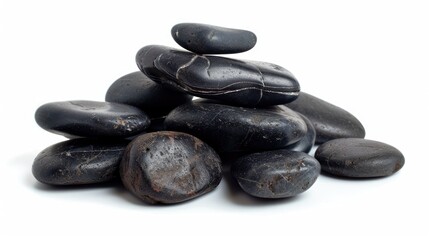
(167,147)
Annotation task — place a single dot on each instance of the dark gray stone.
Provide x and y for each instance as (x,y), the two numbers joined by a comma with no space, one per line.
(234,81)
(307,142)
(169,167)
(275,174)
(79,161)
(91,119)
(138,90)
(330,121)
(209,39)
(230,128)
(359,158)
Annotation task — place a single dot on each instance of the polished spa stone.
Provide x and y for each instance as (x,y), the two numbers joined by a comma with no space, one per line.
(243,83)
(79,161)
(275,174)
(136,89)
(231,129)
(209,39)
(169,167)
(307,142)
(91,119)
(359,158)
(330,121)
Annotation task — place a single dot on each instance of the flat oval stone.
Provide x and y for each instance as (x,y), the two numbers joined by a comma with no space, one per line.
(275,174)
(307,142)
(230,128)
(79,161)
(209,39)
(330,121)
(169,167)
(243,83)
(138,90)
(359,158)
(91,119)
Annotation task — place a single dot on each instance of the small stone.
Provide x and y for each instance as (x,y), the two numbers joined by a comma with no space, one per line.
(91,119)
(330,121)
(275,174)
(359,158)
(243,83)
(169,167)
(307,142)
(209,39)
(138,90)
(79,161)
(231,129)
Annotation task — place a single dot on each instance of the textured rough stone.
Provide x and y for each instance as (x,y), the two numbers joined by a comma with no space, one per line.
(359,158)
(330,121)
(229,128)
(138,90)
(79,161)
(91,119)
(169,167)
(209,39)
(275,174)
(235,81)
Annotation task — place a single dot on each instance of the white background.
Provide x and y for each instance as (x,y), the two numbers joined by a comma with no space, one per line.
(368,57)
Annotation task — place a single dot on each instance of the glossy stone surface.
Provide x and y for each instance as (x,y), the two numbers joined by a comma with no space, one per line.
(330,121)
(79,161)
(138,90)
(359,158)
(230,128)
(307,142)
(243,83)
(275,174)
(209,39)
(91,119)
(169,167)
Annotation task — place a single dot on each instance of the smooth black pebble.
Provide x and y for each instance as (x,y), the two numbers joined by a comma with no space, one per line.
(275,174)
(230,128)
(244,83)
(138,90)
(307,142)
(359,158)
(91,119)
(169,167)
(209,39)
(330,121)
(79,161)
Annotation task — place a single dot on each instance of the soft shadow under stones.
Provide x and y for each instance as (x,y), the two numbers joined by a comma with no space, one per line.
(236,195)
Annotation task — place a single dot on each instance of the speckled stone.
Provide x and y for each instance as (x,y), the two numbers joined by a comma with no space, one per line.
(307,142)
(275,174)
(359,158)
(209,39)
(138,90)
(91,119)
(169,167)
(330,121)
(244,83)
(79,161)
(230,128)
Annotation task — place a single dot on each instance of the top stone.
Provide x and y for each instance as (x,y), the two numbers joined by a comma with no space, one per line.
(208,39)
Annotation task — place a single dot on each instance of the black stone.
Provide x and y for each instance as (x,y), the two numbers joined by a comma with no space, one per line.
(79,161)
(359,158)
(91,119)
(235,81)
(275,174)
(307,142)
(138,90)
(330,121)
(230,128)
(209,39)
(169,167)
